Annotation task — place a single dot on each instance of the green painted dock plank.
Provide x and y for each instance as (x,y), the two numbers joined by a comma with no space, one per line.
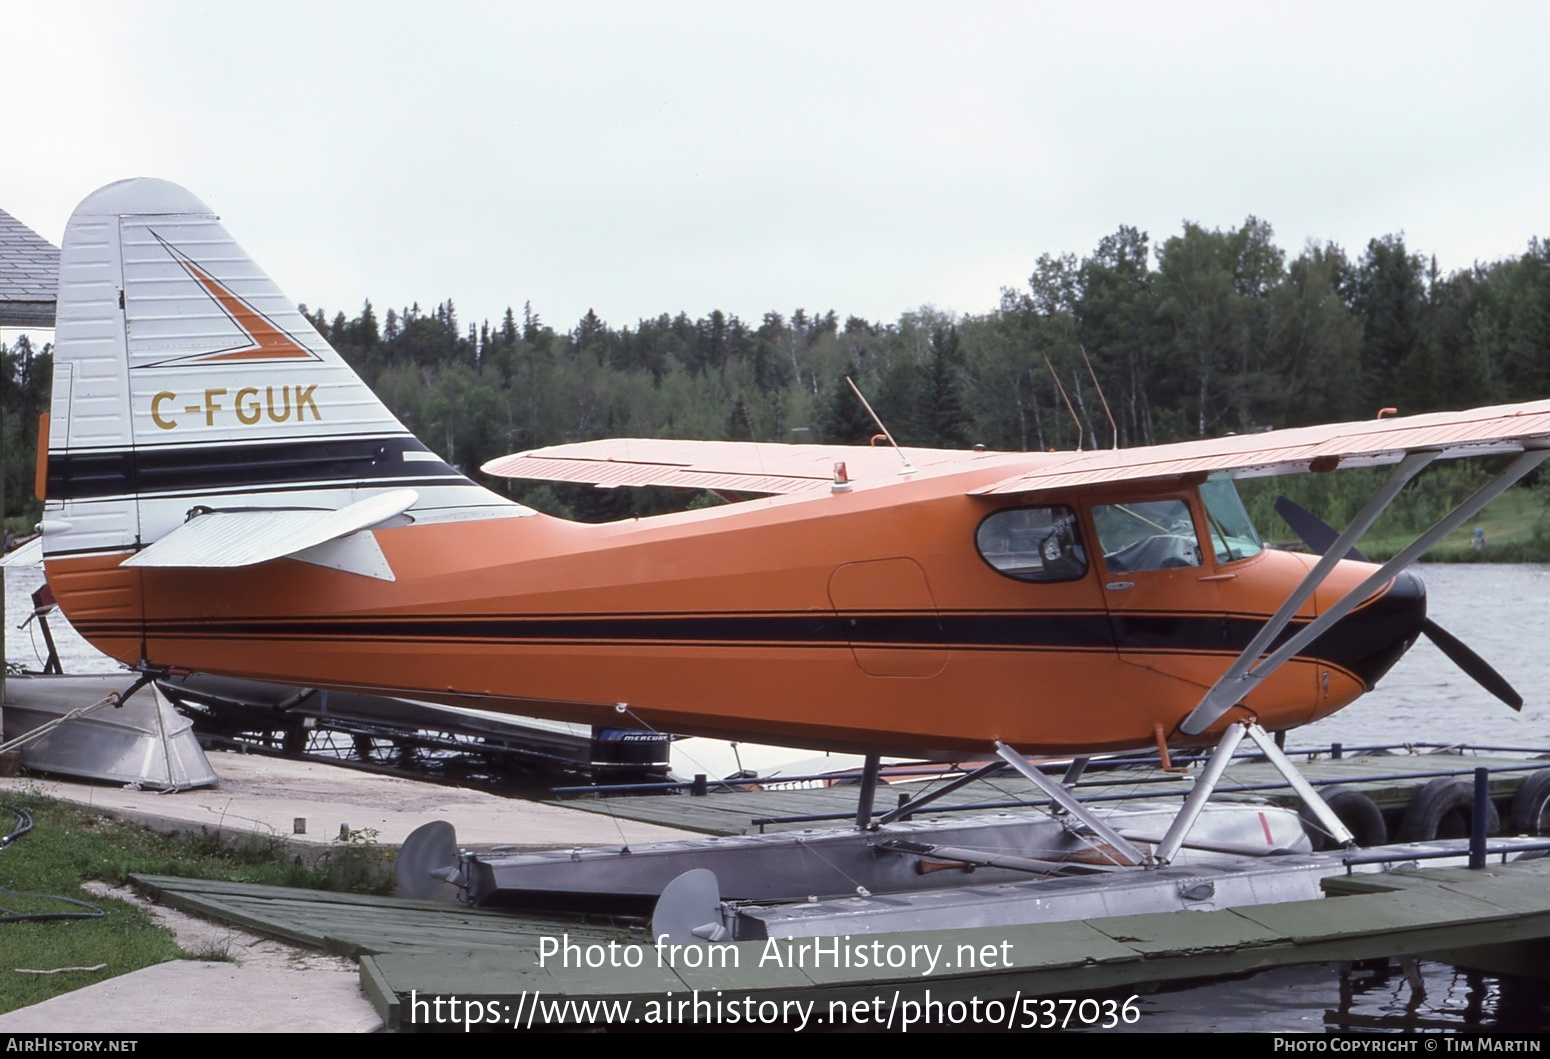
(1186,932)
(1513,893)
(747,954)
(357,924)
(1061,946)
(1369,915)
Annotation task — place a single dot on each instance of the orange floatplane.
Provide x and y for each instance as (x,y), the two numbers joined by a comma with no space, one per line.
(223,495)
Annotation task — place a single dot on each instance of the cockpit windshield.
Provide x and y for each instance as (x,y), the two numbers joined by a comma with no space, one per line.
(1232,532)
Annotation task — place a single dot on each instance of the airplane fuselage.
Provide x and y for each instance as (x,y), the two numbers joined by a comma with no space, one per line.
(869,619)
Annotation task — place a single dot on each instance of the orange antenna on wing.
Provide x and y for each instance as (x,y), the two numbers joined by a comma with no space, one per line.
(909,468)
(1113,430)
(1074,417)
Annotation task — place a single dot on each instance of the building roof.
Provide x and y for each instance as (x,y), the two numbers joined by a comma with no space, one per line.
(29,275)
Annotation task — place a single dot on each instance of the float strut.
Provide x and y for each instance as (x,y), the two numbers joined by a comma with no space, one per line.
(1310,797)
(1204,787)
(1074,771)
(869,773)
(1069,802)
(1221,757)
(916,804)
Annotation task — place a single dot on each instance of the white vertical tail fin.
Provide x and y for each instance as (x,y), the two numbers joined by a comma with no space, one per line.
(184,376)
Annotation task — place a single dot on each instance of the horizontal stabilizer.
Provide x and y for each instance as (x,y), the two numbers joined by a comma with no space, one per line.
(254,535)
(732,466)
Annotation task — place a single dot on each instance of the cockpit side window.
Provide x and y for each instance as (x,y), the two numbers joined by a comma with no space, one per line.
(1146,535)
(1232,531)
(1033,543)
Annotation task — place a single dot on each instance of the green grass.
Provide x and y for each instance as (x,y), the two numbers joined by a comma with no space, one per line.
(1516,525)
(69,846)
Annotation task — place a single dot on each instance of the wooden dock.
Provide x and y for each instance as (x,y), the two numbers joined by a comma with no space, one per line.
(410,950)
(1391,780)
(357,925)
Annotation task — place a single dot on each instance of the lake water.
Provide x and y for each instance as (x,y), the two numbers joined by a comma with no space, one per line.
(1501,611)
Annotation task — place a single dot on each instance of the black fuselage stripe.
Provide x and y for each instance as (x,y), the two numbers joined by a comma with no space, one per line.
(1345,646)
(172,446)
(452,479)
(231,467)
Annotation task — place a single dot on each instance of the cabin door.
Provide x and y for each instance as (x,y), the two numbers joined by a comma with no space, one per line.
(1163,596)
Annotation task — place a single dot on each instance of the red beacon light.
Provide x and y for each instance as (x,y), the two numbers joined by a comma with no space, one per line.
(841,478)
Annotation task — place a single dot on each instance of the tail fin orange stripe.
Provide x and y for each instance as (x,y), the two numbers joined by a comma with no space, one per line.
(269,342)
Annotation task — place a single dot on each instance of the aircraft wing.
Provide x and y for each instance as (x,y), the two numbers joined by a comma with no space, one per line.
(1368,443)
(731,466)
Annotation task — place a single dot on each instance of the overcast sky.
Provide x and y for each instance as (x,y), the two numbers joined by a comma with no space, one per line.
(640,158)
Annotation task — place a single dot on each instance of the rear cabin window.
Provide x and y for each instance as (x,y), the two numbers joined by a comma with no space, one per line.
(1033,543)
(1149,535)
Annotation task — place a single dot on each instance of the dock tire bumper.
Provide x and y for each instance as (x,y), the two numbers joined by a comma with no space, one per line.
(1441,809)
(1530,812)
(1359,813)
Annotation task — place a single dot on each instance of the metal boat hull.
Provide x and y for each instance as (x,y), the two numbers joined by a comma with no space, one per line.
(145,741)
(835,863)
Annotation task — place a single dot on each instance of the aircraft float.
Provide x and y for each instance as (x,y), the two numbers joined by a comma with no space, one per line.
(223,495)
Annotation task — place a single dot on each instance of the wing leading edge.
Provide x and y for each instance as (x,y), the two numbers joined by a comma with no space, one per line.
(731,466)
(1369,443)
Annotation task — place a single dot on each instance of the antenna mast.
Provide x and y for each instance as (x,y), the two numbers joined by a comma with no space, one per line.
(909,468)
(1113,430)
(1074,417)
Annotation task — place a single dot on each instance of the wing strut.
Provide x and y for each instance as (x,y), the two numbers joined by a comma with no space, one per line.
(1249,669)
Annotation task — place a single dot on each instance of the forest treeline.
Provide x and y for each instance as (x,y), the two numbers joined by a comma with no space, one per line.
(1210,332)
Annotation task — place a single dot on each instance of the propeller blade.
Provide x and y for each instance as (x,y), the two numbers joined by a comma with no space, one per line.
(1317,534)
(1478,668)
